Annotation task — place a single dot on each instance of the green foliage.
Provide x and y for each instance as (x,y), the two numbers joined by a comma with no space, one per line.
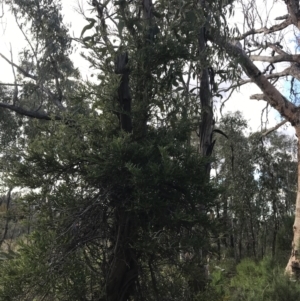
(125,213)
(84,175)
(29,270)
(284,238)
(258,176)
(262,281)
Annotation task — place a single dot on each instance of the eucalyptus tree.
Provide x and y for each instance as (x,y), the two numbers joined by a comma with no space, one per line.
(268,41)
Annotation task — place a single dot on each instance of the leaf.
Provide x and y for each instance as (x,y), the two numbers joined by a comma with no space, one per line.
(179,89)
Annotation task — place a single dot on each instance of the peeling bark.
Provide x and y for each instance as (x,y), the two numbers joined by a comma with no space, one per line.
(277,58)
(293,266)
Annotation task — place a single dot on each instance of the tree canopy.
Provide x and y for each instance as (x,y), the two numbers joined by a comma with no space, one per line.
(125,185)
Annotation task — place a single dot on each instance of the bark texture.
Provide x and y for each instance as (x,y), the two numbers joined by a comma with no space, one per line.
(207,122)
(293,266)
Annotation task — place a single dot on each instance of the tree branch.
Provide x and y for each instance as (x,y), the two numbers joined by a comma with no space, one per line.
(24,72)
(277,59)
(282,17)
(54,99)
(32,114)
(266,30)
(16,90)
(11,84)
(259,97)
(267,132)
(285,72)
(103,27)
(273,96)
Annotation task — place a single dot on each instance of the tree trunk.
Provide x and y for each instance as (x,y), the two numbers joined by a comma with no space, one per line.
(205,135)
(123,267)
(124,97)
(218,239)
(253,238)
(275,228)
(207,121)
(293,266)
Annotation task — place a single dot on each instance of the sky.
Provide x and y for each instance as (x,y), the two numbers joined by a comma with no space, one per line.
(10,36)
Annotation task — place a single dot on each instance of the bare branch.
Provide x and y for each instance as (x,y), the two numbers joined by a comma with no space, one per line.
(267,132)
(272,95)
(224,102)
(277,59)
(54,99)
(24,72)
(259,97)
(266,30)
(276,47)
(25,36)
(285,72)
(282,17)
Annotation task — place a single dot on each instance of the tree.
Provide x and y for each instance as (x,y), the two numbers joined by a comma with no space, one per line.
(257,175)
(87,156)
(257,41)
(119,192)
(235,171)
